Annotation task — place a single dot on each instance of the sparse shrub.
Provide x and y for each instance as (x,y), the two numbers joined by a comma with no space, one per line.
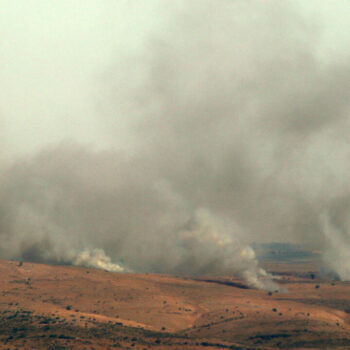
(274,309)
(63,336)
(269,293)
(20,263)
(317,286)
(163,328)
(68,307)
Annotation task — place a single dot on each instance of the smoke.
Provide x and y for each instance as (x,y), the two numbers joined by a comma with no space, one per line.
(98,259)
(234,130)
(66,201)
(336,226)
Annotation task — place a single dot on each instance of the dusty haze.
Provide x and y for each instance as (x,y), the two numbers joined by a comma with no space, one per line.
(170,144)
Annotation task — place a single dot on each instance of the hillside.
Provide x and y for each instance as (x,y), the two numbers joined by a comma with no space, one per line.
(64,307)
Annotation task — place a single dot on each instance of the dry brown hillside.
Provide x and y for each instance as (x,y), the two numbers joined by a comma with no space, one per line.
(64,307)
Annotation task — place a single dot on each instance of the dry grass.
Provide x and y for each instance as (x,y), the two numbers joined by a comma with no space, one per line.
(63,307)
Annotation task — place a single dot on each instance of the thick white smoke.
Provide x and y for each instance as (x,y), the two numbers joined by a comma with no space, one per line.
(98,259)
(227,107)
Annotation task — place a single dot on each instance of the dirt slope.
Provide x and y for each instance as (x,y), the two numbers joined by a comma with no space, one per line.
(64,307)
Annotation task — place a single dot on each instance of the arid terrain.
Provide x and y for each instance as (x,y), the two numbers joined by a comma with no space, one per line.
(64,307)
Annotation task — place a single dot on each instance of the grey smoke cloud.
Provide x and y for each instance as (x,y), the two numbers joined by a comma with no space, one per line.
(65,202)
(238,113)
(236,132)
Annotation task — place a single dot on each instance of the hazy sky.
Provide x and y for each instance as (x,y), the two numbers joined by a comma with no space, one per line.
(179,131)
(55,57)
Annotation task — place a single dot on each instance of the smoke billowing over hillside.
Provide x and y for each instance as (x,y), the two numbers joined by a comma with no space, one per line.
(236,132)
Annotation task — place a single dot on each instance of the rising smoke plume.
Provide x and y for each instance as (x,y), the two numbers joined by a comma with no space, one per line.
(236,133)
